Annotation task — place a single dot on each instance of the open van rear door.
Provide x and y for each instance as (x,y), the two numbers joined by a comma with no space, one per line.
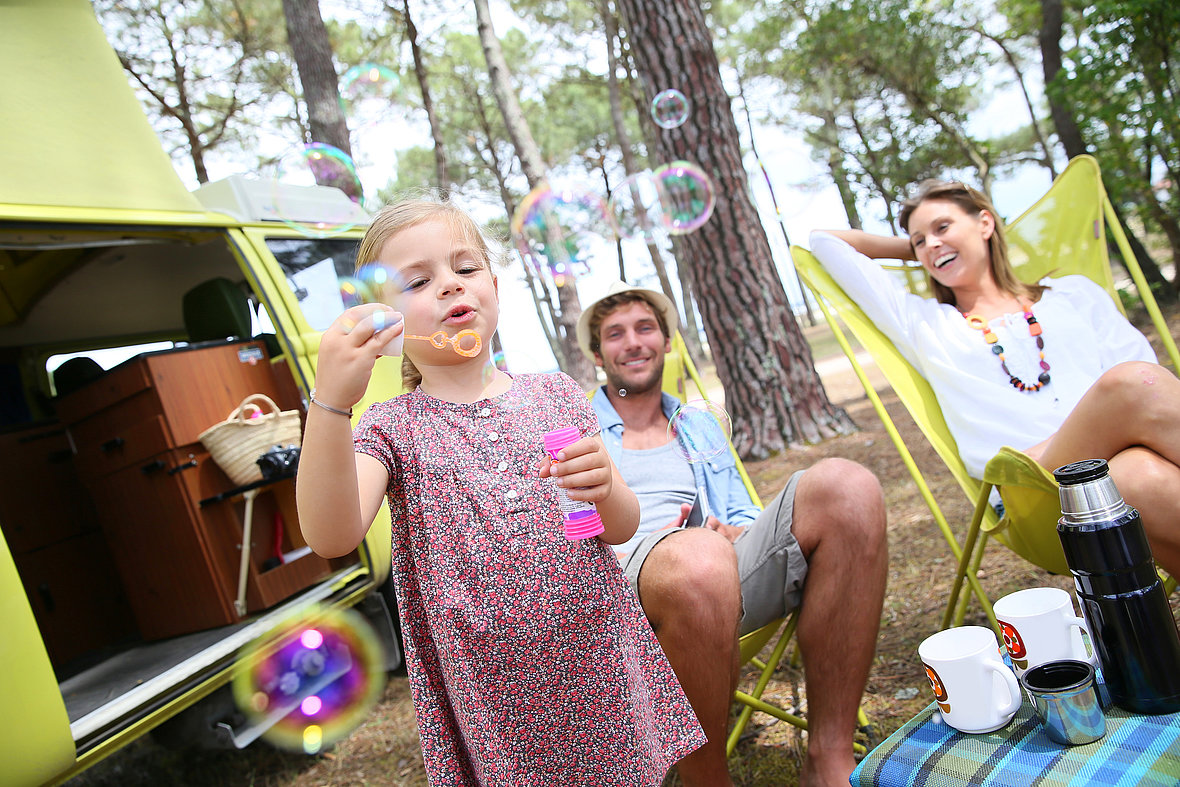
(36,743)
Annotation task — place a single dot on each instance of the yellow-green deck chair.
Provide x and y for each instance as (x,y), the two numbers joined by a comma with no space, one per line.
(1064,232)
(679,372)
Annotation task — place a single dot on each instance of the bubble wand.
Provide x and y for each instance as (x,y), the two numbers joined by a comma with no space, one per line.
(459,342)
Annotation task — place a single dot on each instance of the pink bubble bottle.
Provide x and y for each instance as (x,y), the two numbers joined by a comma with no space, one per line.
(581,518)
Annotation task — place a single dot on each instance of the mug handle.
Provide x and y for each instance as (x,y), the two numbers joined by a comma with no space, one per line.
(1080,624)
(1015,697)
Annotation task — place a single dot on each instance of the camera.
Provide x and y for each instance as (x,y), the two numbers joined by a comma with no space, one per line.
(279,461)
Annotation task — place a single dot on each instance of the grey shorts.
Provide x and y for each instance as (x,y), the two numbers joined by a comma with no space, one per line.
(770,563)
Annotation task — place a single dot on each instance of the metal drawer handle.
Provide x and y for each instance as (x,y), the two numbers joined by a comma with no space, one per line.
(154,466)
(113,444)
(192,462)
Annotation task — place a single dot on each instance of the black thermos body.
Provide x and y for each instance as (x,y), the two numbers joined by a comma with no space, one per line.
(1122,597)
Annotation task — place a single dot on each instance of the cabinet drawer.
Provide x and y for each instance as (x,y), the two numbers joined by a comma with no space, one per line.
(116,448)
(40,498)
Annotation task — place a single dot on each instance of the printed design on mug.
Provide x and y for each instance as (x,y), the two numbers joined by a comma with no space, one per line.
(1015,645)
(940,694)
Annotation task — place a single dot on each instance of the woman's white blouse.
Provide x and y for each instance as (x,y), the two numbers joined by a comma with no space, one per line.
(1084,335)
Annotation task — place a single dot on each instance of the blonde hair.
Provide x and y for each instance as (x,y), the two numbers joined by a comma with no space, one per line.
(407,213)
(973,202)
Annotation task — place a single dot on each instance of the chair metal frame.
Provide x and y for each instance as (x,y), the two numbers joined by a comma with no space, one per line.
(917,397)
(678,371)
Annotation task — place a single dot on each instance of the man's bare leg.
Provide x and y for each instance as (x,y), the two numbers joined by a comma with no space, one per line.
(839,521)
(690,591)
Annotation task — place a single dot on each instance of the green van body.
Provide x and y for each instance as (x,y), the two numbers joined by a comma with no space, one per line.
(99,242)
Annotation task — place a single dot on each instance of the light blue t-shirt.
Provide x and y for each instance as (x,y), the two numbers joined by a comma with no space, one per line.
(662,480)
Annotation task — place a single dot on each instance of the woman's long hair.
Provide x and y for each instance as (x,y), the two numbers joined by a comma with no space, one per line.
(406,213)
(973,202)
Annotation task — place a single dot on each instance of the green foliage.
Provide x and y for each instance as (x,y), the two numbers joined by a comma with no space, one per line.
(891,103)
(1121,78)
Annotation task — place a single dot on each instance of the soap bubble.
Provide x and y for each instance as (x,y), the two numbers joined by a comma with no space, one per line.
(328,213)
(315,679)
(669,108)
(371,283)
(636,207)
(700,430)
(555,228)
(354,292)
(368,92)
(381,283)
(689,197)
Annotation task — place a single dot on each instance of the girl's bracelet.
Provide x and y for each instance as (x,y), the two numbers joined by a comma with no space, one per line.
(347,413)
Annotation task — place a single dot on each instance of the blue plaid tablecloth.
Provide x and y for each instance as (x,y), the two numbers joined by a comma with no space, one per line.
(1137,750)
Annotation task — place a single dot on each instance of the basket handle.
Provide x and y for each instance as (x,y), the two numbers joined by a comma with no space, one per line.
(239,413)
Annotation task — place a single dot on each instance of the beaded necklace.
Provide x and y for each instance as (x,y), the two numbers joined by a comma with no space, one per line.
(1034,330)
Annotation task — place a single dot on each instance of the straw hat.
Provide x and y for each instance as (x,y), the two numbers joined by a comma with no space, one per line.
(658,301)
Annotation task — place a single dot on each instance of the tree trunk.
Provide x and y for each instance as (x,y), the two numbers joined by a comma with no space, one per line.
(1052,18)
(442,175)
(691,336)
(773,393)
(576,365)
(317,74)
(1070,134)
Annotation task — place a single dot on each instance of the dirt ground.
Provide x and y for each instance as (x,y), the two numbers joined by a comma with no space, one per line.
(385,749)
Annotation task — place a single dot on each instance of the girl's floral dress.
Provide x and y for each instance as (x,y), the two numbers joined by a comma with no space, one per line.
(529,657)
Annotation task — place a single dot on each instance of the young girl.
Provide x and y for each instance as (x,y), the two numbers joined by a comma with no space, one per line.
(1051,368)
(530,659)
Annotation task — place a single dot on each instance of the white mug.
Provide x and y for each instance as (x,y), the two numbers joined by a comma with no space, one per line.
(975,690)
(1039,625)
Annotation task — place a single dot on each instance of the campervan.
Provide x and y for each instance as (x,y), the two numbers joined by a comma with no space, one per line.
(134,316)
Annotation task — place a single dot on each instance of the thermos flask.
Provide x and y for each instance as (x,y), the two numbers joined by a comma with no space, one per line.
(1122,597)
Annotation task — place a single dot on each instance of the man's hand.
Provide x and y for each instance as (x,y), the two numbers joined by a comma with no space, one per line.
(731,532)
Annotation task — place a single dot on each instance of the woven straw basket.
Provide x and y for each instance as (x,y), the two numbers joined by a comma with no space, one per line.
(246,434)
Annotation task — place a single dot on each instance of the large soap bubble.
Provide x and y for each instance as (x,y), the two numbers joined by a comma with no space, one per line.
(700,430)
(311,681)
(689,197)
(555,228)
(317,164)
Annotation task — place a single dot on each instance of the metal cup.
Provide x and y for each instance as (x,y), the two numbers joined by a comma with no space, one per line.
(1066,701)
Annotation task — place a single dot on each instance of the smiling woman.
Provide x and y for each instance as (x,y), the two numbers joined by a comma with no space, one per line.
(987,341)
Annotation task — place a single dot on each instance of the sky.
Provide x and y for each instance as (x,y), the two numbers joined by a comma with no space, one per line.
(806,198)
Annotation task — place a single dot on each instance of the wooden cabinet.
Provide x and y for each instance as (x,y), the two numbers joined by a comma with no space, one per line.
(51,526)
(135,431)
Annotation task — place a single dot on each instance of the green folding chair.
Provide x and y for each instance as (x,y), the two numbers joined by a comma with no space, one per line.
(1066,231)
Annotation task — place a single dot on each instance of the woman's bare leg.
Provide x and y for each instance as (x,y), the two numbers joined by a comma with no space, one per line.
(1151,484)
(1131,418)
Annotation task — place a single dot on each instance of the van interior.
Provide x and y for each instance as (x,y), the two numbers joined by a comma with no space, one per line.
(127,534)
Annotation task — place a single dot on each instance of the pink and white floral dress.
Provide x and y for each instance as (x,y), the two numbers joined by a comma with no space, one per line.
(530,659)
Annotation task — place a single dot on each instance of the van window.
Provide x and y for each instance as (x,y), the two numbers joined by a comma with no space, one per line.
(313,267)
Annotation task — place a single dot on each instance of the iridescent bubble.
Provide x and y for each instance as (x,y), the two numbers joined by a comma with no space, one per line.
(689,197)
(315,679)
(326,213)
(382,283)
(700,430)
(669,108)
(354,292)
(556,228)
(368,92)
(636,207)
